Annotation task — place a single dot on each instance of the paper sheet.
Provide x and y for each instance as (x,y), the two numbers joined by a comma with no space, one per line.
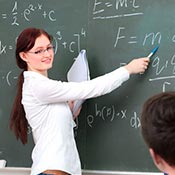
(78,72)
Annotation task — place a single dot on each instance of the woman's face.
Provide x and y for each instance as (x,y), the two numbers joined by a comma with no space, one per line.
(40,57)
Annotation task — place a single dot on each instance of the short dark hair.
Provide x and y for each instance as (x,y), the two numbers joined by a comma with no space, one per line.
(158,125)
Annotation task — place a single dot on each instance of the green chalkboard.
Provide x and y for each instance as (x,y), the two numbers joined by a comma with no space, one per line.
(113,33)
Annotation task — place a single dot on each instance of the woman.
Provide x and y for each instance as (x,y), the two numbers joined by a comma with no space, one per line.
(43,104)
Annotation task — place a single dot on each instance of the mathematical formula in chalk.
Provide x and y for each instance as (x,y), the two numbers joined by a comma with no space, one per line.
(151,38)
(16,16)
(109,113)
(112,9)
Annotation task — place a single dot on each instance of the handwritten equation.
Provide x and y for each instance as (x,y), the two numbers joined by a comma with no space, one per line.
(73,45)
(115,9)
(161,67)
(110,114)
(27,13)
(4,47)
(151,38)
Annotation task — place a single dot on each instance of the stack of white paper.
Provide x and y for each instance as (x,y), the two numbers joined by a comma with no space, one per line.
(78,72)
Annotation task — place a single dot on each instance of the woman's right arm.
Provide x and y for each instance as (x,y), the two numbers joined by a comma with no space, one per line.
(51,91)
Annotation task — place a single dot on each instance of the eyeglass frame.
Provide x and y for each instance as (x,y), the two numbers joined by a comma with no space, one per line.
(42,51)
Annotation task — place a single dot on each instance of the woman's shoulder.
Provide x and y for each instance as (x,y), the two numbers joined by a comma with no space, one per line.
(30,74)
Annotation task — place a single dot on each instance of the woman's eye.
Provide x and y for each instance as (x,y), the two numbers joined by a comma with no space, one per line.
(38,52)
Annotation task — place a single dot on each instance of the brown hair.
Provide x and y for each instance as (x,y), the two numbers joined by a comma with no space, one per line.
(158,125)
(25,42)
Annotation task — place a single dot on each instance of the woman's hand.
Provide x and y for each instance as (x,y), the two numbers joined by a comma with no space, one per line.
(71,105)
(138,65)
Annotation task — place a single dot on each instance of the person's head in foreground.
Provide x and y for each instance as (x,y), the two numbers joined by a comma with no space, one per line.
(158,130)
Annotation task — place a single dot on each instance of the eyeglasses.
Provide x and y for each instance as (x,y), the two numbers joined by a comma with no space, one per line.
(49,49)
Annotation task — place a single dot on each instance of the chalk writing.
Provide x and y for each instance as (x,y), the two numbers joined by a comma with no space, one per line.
(110,114)
(102,10)
(160,68)
(135,121)
(9,77)
(33,8)
(14,13)
(29,131)
(165,84)
(71,46)
(4,47)
(152,38)
(27,13)
(164,73)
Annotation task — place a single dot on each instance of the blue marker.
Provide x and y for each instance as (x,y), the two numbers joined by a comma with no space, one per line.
(153,52)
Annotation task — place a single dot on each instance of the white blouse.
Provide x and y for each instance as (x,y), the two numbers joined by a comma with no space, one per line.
(49,115)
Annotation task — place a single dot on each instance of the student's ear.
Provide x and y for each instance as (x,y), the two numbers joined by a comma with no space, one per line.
(158,161)
(154,156)
(23,56)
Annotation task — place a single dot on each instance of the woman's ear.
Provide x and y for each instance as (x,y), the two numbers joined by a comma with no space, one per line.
(23,56)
